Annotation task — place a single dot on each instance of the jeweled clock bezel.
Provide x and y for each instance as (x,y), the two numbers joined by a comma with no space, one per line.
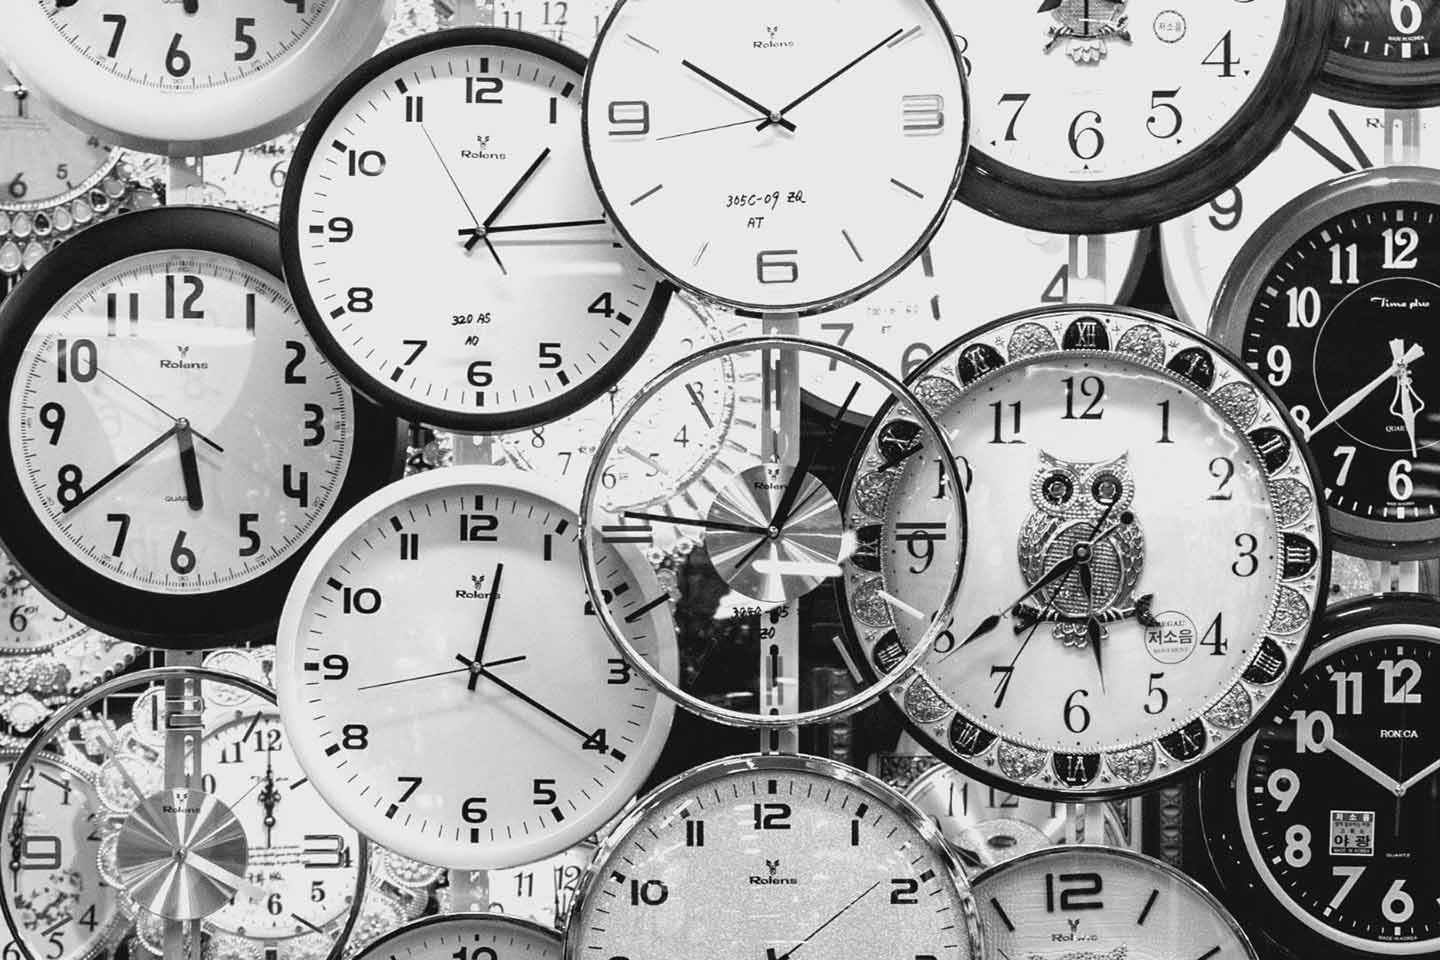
(466,923)
(177,621)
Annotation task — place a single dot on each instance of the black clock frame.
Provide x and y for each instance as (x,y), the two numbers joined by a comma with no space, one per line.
(238,613)
(1371,82)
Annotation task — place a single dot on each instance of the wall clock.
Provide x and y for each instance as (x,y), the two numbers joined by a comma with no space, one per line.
(1330,139)
(52,889)
(983,824)
(1321,829)
(575,23)
(756,534)
(1111,115)
(513,304)
(1384,53)
(1105,901)
(723,142)
(1147,551)
(443,937)
(445,567)
(1334,301)
(173,439)
(189,78)
(810,852)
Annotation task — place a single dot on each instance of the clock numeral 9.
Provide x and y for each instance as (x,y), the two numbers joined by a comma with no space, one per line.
(341,228)
(919,539)
(337,666)
(771,268)
(78,360)
(1232,210)
(771,816)
(629,118)
(1081,885)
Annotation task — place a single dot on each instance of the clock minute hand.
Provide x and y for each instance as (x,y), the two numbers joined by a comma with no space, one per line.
(814,933)
(1358,397)
(771,116)
(134,459)
(526,698)
(780,117)
(1364,766)
(1405,787)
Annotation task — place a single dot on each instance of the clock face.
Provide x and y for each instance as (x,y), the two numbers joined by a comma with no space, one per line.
(53,891)
(510,302)
(302,857)
(1103,637)
(1335,792)
(475,935)
(1387,30)
(748,119)
(807,851)
(539,892)
(1330,138)
(1114,902)
(42,158)
(167,353)
(444,567)
(1334,303)
(575,23)
(30,623)
(251,179)
(986,825)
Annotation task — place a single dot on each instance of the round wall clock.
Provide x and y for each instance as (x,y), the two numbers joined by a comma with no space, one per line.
(1112,115)
(1335,302)
(1385,53)
(510,302)
(575,23)
(778,161)
(58,903)
(190,77)
(1331,138)
(751,532)
(479,935)
(173,439)
(1323,831)
(414,625)
(1147,551)
(983,824)
(807,851)
(1106,901)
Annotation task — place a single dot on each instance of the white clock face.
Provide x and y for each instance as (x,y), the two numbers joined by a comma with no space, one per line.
(1095,90)
(302,859)
(53,889)
(984,824)
(799,191)
(508,302)
(174,428)
(1113,902)
(1331,138)
(475,935)
(29,622)
(754,857)
(575,23)
(376,689)
(42,158)
(1143,552)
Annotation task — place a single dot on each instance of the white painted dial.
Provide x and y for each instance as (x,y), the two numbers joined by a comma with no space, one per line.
(508,302)
(444,937)
(813,148)
(442,570)
(42,158)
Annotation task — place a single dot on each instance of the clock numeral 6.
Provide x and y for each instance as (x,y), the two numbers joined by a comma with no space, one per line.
(1077,715)
(473,810)
(771,816)
(484,89)
(67,489)
(251,538)
(367,163)
(772,267)
(182,558)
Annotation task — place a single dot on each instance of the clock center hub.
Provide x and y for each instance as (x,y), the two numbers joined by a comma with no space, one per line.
(159,844)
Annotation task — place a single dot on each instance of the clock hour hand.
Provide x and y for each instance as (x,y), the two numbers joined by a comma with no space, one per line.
(477,663)
(1364,766)
(104,481)
(1407,403)
(1428,771)
(518,186)
(1415,352)
(770,115)
(780,117)
(189,469)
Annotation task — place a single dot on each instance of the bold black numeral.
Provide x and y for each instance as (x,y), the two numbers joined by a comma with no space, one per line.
(248,46)
(78,360)
(905,891)
(296,484)
(484,89)
(652,893)
(1092,388)
(771,816)
(292,366)
(123,519)
(251,538)
(364,600)
(52,418)
(1082,885)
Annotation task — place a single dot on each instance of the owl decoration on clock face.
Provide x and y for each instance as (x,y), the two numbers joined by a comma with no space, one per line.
(1082,511)
(1084,29)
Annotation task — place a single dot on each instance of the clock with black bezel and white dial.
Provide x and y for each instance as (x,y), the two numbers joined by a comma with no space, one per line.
(1112,114)
(510,301)
(1335,301)
(1146,553)
(449,608)
(189,77)
(777,159)
(1322,830)
(1385,53)
(173,440)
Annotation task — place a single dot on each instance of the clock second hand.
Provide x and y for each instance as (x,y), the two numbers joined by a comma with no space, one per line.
(133,392)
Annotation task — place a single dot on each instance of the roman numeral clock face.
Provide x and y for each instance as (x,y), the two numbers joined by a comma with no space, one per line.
(444,242)
(814,147)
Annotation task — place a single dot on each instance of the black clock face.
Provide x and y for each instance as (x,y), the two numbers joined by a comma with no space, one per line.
(1346,327)
(1337,801)
(1388,30)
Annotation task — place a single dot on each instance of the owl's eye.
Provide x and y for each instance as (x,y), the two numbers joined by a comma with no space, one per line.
(1057,489)
(1106,488)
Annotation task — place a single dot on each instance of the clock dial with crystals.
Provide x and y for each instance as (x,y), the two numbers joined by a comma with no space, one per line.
(1335,302)
(1329,804)
(1113,902)
(809,852)
(1385,53)
(428,592)
(1151,519)
(42,157)
(1108,114)
(174,438)
(470,935)
(510,302)
(813,148)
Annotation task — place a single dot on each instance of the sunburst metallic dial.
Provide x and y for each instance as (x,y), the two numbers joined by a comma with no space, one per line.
(813,855)
(1146,552)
